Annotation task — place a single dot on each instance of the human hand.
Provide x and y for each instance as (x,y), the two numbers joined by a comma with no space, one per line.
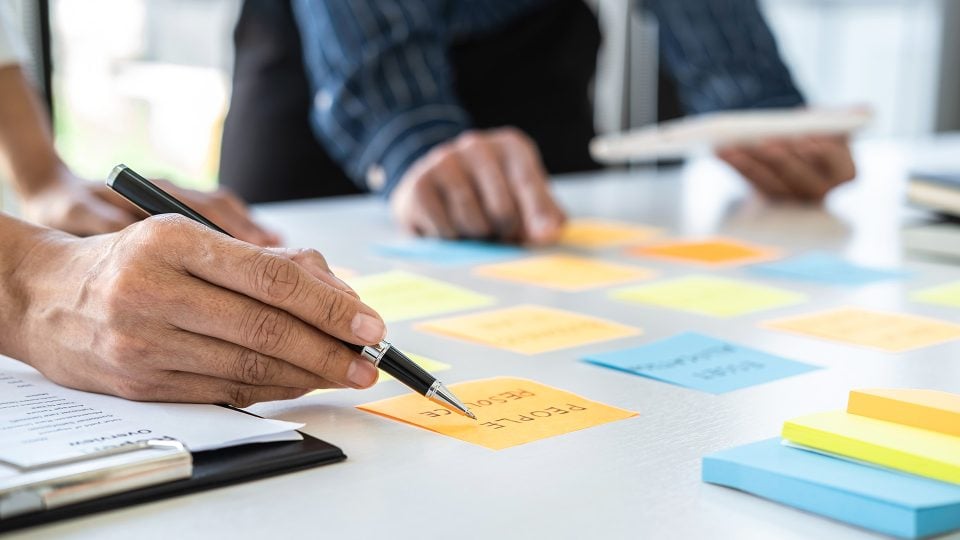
(168,310)
(483,184)
(86,208)
(803,168)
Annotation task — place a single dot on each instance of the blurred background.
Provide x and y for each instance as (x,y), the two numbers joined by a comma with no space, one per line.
(148,81)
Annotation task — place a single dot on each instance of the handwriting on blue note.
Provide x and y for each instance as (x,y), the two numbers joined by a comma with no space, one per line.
(701,362)
(828,269)
(449,252)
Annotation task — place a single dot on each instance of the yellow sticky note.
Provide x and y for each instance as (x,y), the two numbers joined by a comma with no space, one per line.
(712,252)
(399,295)
(529,329)
(509,412)
(708,295)
(564,272)
(932,410)
(428,364)
(945,295)
(904,448)
(892,332)
(598,233)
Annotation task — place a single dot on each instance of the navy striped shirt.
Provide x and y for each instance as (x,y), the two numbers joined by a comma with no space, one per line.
(382,79)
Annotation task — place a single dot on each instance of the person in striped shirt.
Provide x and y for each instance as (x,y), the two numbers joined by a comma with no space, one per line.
(457,111)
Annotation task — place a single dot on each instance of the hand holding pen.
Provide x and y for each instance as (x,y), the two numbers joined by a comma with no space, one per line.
(282,315)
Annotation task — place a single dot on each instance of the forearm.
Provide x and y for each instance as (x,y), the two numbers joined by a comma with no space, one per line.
(384,93)
(27,154)
(18,240)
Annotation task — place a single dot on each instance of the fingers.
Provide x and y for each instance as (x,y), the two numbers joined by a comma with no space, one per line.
(99,217)
(316,264)
(422,208)
(541,217)
(495,192)
(804,168)
(275,281)
(460,197)
(204,355)
(832,155)
(235,217)
(180,387)
(270,332)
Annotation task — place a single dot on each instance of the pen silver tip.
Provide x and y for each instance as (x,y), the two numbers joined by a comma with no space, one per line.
(446,398)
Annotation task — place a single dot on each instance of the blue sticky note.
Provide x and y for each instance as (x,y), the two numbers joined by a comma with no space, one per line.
(702,363)
(826,268)
(881,500)
(449,252)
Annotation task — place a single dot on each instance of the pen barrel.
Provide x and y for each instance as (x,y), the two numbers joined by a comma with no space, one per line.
(407,372)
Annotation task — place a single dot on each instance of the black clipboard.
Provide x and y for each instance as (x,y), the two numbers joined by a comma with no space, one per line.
(211,469)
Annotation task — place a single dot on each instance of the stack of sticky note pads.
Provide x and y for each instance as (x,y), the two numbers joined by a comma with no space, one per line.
(890,463)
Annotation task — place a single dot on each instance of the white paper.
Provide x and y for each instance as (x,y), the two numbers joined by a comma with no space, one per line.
(679,138)
(41,421)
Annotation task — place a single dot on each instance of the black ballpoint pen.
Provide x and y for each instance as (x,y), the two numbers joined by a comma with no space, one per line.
(153,200)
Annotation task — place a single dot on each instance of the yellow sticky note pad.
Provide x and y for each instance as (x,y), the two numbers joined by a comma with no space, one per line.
(598,233)
(564,272)
(712,252)
(932,410)
(529,329)
(892,332)
(708,295)
(509,412)
(908,449)
(428,364)
(399,295)
(944,295)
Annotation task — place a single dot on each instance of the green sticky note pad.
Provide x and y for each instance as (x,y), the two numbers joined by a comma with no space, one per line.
(399,296)
(708,295)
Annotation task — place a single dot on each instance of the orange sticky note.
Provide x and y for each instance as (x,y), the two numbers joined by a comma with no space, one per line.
(892,332)
(925,409)
(509,412)
(564,272)
(598,233)
(711,252)
(529,329)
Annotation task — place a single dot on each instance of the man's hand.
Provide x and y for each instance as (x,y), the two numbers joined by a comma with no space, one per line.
(87,208)
(168,310)
(483,184)
(805,168)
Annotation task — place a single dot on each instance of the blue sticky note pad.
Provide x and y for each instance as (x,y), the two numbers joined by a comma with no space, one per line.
(826,268)
(449,252)
(702,363)
(881,500)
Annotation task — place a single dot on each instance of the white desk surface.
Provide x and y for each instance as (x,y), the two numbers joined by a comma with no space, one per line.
(637,478)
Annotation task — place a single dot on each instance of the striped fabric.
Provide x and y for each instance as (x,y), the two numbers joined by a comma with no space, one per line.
(383,90)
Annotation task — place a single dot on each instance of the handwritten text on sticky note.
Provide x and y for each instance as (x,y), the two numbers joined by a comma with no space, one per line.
(702,363)
(893,332)
(509,412)
(564,272)
(399,295)
(529,329)
(708,295)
